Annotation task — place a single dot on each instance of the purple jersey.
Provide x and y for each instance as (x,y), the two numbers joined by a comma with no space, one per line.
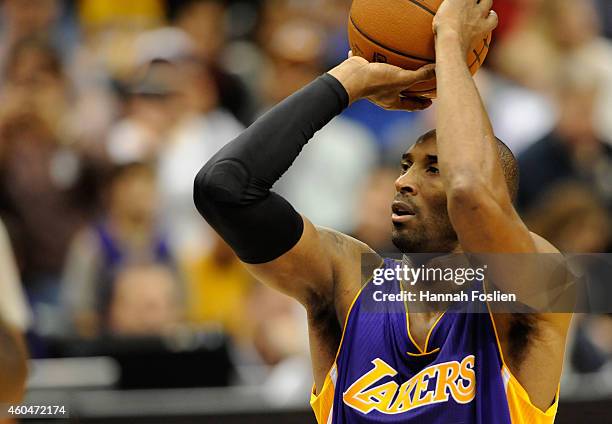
(381,375)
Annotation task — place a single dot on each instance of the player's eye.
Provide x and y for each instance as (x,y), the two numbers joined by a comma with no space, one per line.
(404,167)
(433,170)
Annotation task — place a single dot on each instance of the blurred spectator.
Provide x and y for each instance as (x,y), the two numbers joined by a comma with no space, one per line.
(274,321)
(37,200)
(14,309)
(174,119)
(575,221)
(13,367)
(145,301)
(23,19)
(205,22)
(202,129)
(560,32)
(520,116)
(591,345)
(324,183)
(218,288)
(573,150)
(572,218)
(127,232)
(152,110)
(34,81)
(539,29)
(295,49)
(279,334)
(103,62)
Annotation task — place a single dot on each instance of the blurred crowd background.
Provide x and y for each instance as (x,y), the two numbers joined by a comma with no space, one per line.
(108,108)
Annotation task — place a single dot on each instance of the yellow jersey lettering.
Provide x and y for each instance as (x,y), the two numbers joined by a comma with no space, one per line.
(422,394)
(466,389)
(447,376)
(355,396)
(403,400)
(434,384)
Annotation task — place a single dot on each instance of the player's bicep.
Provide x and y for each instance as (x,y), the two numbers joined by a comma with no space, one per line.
(308,271)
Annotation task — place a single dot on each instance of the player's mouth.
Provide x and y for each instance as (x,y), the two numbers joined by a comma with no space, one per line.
(401,212)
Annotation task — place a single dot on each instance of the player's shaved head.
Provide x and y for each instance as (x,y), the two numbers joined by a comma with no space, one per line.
(506,157)
(13,366)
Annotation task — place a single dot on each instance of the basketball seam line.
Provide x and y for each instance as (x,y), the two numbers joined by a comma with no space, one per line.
(486,46)
(423,59)
(478,54)
(422,6)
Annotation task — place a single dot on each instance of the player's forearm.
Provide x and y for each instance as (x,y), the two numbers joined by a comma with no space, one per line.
(232,191)
(467,152)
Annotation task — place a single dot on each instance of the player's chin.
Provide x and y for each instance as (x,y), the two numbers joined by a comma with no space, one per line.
(401,240)
(400,233)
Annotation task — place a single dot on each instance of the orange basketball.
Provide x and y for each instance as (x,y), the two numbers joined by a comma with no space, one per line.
(399,32)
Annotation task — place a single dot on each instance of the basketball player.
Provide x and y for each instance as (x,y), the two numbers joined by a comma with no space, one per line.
(454,194)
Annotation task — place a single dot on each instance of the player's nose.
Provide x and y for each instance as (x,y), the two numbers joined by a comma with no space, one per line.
(405,184)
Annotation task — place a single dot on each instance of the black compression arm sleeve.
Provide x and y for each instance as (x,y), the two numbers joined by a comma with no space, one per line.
(232,191)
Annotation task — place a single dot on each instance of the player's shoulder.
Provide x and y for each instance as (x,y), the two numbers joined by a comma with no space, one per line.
(354,261)
(344,243)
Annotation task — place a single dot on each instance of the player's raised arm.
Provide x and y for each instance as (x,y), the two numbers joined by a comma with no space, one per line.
(233,190)
(479,203)
(478,198)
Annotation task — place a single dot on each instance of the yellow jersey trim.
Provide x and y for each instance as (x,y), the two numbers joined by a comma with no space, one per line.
(422,352)
(522,410)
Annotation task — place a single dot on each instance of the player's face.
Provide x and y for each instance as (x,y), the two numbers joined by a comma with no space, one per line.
(418,212)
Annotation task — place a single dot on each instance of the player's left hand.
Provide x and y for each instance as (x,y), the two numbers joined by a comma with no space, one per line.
(382,83)
(467,19)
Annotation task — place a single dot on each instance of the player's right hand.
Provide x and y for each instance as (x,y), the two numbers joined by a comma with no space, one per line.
(467,19)
(382,83)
